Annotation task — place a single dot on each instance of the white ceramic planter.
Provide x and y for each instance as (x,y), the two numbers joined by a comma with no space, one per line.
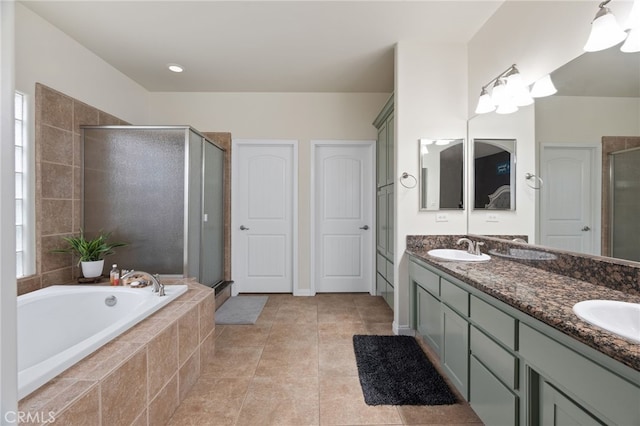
(92,269)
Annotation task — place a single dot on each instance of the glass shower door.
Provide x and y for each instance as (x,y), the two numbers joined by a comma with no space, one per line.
(625,204)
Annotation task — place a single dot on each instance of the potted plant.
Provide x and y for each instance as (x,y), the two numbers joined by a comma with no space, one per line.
(91,252)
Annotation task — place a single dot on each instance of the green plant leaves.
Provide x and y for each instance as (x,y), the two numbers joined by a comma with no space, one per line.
(90,250)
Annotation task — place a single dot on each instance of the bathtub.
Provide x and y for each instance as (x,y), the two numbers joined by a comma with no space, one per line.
(60,325)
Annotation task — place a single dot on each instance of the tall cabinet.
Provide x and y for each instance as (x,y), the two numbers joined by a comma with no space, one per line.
(385,213)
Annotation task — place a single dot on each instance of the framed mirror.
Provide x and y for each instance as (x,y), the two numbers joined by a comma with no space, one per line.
(441,178)
(494,171)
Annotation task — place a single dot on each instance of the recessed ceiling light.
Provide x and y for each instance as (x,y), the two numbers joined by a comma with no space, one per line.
(175,67)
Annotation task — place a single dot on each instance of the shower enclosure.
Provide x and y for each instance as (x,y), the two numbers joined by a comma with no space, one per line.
(625,204)
(161,190)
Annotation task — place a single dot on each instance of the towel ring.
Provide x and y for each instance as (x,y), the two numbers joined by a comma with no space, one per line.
(530,176)
(406,175)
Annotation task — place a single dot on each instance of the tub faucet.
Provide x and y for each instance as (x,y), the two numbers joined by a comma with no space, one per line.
(471,246)
(158,287)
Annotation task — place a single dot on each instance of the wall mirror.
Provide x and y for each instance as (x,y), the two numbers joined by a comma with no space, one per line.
(494,170)
(441,174)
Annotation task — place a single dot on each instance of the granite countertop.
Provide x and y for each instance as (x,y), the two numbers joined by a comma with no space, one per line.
(546,296)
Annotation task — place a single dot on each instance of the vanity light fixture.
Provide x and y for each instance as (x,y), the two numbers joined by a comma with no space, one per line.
(605,30)
(508,92)
(632,43)
(175,67)
(543,87)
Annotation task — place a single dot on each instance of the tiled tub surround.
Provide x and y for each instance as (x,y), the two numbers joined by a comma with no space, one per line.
(544,291)
(140,377)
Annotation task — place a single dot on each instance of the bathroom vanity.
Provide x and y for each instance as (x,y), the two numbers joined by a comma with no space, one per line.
(507,338)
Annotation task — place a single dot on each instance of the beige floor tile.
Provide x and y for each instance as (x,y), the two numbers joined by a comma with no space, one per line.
(337,360)
(293,334)
(290,369)
(438,414)
(342,403)
(297,314)
(281,401)
(232,362)
(339,333)
(292,360)
(243,335)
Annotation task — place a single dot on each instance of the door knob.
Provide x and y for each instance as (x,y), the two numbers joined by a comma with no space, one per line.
(243,228)
(365,227)
(586,228)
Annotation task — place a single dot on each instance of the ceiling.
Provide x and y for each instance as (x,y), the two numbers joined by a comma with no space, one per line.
(261,46)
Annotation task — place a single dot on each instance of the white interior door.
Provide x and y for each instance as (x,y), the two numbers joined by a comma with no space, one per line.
(263,217)
(568,199)
(343,217)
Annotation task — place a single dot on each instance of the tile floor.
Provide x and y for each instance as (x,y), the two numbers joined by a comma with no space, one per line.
(296,366)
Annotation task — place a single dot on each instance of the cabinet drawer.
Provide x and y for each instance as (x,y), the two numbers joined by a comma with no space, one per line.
(427,279)
(489,398)
(494,321)
(498,360)
(381,264)
(389,272)
(455,297)
(615,397)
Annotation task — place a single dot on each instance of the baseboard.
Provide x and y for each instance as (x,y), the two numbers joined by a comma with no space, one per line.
(403,330)
(303,292)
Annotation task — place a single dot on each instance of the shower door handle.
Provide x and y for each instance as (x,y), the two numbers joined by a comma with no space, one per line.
(586,228)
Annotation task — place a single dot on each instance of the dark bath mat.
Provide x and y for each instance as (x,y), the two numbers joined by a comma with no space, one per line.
(393,370)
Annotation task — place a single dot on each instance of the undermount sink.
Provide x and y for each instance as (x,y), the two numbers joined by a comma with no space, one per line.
(621,318)
(458,255)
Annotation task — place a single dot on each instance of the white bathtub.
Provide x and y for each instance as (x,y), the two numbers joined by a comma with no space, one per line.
(60,325)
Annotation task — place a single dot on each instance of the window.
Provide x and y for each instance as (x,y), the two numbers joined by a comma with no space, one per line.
(24,255)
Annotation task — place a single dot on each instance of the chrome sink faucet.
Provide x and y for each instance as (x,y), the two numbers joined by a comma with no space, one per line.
(158,287)
(471,249)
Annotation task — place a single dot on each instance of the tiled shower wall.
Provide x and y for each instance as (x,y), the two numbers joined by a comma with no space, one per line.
(58,189)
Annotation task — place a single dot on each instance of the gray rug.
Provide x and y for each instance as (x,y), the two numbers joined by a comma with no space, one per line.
(241,310)
(393,370)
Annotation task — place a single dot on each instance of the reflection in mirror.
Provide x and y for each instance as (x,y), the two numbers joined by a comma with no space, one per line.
(596,112)
(441,174)
(494,174)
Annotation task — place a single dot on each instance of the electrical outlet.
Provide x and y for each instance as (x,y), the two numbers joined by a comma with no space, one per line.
(442,217)
(492,217)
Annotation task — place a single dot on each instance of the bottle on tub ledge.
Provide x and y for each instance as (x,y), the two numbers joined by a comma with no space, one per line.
(114,275)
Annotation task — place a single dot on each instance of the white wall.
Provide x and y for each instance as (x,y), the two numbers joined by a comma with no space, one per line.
(300,116)
(584,119)
(46,55)
(430,102)
(519,126)
(538,36)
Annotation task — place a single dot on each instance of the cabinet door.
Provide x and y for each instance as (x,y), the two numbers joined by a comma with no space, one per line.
(390,219)
(489,398)
(558,410)
(381,153)
(429,319)
(390,149)
(381,219)
(455,349)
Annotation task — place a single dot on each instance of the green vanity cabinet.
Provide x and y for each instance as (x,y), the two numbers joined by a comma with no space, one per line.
(512,368)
